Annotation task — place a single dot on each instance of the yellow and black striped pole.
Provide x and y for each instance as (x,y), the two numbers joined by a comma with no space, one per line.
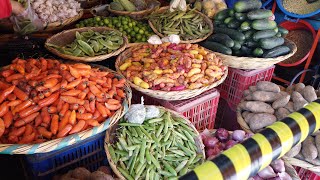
(246,159)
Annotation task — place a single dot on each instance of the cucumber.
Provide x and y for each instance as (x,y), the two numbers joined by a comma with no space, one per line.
(245,50)
(245,26)
(227,20)
(217,22)
(222,39)
(276,29)
(217,47)
(259,14)
(263,34)
(237,53)
(263,24)
(236,46)
(222,25)
(269,43)
(249,34)
(247,5)
(278,34)
(234,34)
(283,31)
(277,51)
(234,24)
(251,44)
(221,15)
(240,16)
(231,12)
(257,52)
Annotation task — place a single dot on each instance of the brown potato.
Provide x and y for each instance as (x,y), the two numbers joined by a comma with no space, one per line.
(268,86)
(105,169)
(317,140)
(247,115)
(281,113)
(256,107)
(309,149)
(246,93)
(252,88)
(299,87)
(281,102)
(261,120)
(264,96)
(80,173)
(298,101)
(249,97)
(294,151)
(309,94)
(99,175)
(290,89)
(289,106)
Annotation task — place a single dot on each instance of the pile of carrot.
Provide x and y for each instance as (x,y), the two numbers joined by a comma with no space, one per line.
(44,99)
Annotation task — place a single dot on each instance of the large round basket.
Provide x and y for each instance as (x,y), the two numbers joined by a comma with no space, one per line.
(61,24)
(59,143)
(138,15)
(256,63)
(68,36)
(167,95)
(111,138)
(206,19)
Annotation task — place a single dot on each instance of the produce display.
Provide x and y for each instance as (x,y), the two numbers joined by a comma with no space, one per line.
(55,10)
(136,31)
(266,103)
(217,141)
(301,6)
(188,25)
(45,99)
(81,173)
(91,43)
(276,170)
(133,5)
(154,144)
(210,7)
(172,67)
(247,30)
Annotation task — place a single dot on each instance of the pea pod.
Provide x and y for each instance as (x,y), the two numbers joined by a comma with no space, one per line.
(169,168)
(125,173)
(86,47)
(142,151)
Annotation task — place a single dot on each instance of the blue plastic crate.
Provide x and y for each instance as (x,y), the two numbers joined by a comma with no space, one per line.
(88,153)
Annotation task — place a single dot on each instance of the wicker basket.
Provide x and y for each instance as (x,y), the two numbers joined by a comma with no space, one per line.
(110,139)
(57,144)
(167,95)
(206,18)
(68,36)
(138,15)
(256,63)
(61,24)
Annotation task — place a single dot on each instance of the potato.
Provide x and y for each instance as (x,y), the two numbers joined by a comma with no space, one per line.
(289,106)
(282,88)
(106,170)
(67,176)
(317,140)
(256,107)
(252,88)
(264,96)
(299,87)
(309,149)
(99,175)
(261,120)
(290,89)
(268,86)
(281,102)
(309,94)
(247,115)
(298,101)
(249,97)
(316,133)
(246,93)
(80,173)
(294,151)
(281,113)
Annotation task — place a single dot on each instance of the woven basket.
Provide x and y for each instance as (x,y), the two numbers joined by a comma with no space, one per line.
(57,144)
(206,19)
(167,95)
(256,63)
(68,36)
(110,139)
(137,15)
(61,24)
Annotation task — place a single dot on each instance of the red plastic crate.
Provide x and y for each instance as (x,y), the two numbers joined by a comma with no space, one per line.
(307,175)
(200,110)
(239,80)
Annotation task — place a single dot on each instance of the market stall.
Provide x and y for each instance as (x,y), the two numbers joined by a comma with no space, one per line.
(147,89)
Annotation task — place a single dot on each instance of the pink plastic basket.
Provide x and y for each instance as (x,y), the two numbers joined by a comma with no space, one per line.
(200,110)
(307,175)
(239,80)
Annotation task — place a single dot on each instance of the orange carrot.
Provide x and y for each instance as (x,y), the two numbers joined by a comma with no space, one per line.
(74,106)
(73,92)
(49,100)
(4,108)
(26,120)
(112,107)
(63,132)
(72,100)
(26,139)
(73,83)
(38,121)
(113,101)
(77,128)
(44,132)
(29,130)
(120,93)
(54,124)
(81,110)
(92,122)
(12,97)
(14,77)
(103,110)
(5,93)
(14,102)
(20,94)
(74,72)
(72,118)
(64,109)
(65,120)
(45,115)
(17,131)
(2,127)
(84,116)
(8,118)
(30,110)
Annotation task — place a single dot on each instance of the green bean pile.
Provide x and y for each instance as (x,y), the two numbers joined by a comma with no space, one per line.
(160,148)
(91,43)
(188,25)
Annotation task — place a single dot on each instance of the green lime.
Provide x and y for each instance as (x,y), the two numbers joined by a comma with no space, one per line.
(130,25)
(81,25)
(101,23)
(128,30)
(132,33)
(124,22)
(136,29)
(97,18)
(134,23)
(133,39)
(138,36)
(124,33)
(141,31)
(110,25)
(120,29)
(143,39)
(125,27)
(106,21)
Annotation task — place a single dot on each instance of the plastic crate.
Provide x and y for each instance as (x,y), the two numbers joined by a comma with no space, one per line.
(307,175)
(88,153)
(226,117)
(239,80)
(200,110)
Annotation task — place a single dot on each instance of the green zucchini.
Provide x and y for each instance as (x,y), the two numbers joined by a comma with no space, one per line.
(233,34)
(236,45)
(283,31)
(278,34)
(217,47)
(247,5)
(263,34)
(231,12)
(221,15)
(251,44)
(240,16)
(245,26)
(259,14)
(222,26)
(234,24)
(227,20)
(263,24)
(249,34)
(222,39)
(277,51)
(269,43)
(257,52)
(217,22)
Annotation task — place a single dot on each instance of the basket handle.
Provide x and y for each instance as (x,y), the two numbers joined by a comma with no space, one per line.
(295,20)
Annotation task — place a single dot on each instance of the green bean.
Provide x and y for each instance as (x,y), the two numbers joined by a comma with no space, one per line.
(155,162)
(145,132)
(165,173)
(189,136)
(122,165)
(160,130)
(184,149)
(199,156)
(131,148)
(181,165)
(180,135)
(112,154)
(148,156)
(183,171)
(119,146)
(140,171)
(148,174)
(173,178)
(139,167)
(86,47)
(155,138)
(132,164)
(133,131)
(142,151)
(121,153)
(125,158)
(149,128)
(190,161)
(156,176)
(178,152)
(155,120)
(140,133)
(123,143)
(167,135)
(169,168)
(125,173)
(130,124)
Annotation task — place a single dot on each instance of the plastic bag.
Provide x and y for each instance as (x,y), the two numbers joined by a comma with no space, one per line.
(26,22)
(178,4)
(136,113)
(173,38)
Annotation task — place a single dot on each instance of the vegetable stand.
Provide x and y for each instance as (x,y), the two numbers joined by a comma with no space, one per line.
(201,72)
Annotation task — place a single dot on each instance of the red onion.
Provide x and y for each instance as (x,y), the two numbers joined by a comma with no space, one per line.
(210,142)
(213,152)
(230,143)
(284,176)
(267,173)
(221,146)
(256,177)
(278,165)
(222,134)
(238,135)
